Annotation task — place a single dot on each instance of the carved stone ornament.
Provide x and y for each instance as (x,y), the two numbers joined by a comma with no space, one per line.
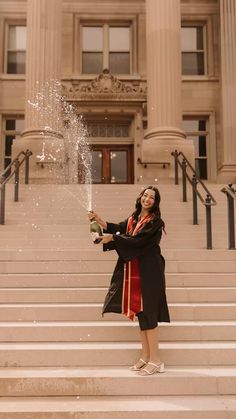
(105,87)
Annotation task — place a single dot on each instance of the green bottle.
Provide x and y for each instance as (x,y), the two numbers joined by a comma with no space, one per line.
(95,231)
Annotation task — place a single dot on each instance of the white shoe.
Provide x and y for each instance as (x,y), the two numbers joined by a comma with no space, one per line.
(156,368)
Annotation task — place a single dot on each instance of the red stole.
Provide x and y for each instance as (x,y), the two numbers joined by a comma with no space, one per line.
(132,302)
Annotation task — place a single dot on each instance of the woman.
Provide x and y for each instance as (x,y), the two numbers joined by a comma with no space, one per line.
(138,282)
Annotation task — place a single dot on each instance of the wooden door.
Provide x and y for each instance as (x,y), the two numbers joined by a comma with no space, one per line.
(112,164)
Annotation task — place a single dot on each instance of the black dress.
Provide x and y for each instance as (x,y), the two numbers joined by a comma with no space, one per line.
(145,247)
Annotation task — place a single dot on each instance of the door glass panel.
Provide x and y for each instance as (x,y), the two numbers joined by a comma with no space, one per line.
(97,166)
(118,160)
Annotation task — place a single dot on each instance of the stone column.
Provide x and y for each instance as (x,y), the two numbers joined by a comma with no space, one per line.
(164,84)
(227,159)
(43,63)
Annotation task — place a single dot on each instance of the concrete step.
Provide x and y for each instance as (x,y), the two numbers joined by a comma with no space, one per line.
(148,407)
(85,244)
(182,215)
(116,331)
(78,231)
(97,295)
(116,381)
(121,202)
(106,266)
(95,253)
(74,193)
(64,354)
(122,206)
(92,311)
(34,280)
(47,200)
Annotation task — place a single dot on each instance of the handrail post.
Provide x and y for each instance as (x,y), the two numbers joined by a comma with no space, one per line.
(2,208)
(208,222)
(27,156)
(184,180)
(195,209)
(175,154)
(16,191)
(231,225)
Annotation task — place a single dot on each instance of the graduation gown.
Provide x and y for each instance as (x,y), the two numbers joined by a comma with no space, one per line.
(144,246)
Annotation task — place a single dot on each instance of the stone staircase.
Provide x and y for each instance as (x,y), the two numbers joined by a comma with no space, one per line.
(59,358)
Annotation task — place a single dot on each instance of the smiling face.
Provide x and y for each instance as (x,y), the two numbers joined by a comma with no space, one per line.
(147,199)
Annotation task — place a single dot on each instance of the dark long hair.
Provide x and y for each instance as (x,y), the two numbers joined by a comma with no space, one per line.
(155,210)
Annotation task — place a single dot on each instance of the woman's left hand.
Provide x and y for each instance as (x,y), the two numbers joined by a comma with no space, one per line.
(106,238)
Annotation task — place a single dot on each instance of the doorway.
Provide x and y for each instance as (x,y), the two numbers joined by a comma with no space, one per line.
(112,164)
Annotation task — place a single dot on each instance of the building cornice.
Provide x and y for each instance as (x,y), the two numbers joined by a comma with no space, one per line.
(200,8)
(13,6)
(104,6)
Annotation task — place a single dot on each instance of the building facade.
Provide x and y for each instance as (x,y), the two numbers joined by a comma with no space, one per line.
(148,77)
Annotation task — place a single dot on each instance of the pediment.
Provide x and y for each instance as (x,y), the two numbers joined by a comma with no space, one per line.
(105,87)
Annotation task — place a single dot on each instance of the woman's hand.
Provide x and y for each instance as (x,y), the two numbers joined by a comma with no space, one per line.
(95,216)
(107,238)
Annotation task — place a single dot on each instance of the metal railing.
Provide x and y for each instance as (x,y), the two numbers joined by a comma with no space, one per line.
(146,163)
(209,201)
(7,174)
(231,197)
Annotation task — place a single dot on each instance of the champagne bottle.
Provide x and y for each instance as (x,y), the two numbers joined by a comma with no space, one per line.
(95,230)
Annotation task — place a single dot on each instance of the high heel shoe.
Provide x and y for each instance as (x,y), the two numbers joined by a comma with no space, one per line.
(139,365)
(155,368)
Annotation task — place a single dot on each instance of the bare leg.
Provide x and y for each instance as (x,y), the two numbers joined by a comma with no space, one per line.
(153,343)
(145,353)
(152,338)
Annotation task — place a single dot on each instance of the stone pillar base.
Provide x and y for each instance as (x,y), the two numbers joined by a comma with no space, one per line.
(227,174)
(165,133)
(160,151)
(47,164)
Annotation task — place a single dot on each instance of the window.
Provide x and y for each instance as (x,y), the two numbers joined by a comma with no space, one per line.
(12,127)
(16,49)
(105,46)
(193,55)
(108,130)
(196,130)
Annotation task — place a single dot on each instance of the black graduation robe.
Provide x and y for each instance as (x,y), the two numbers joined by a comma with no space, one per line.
(145,247)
